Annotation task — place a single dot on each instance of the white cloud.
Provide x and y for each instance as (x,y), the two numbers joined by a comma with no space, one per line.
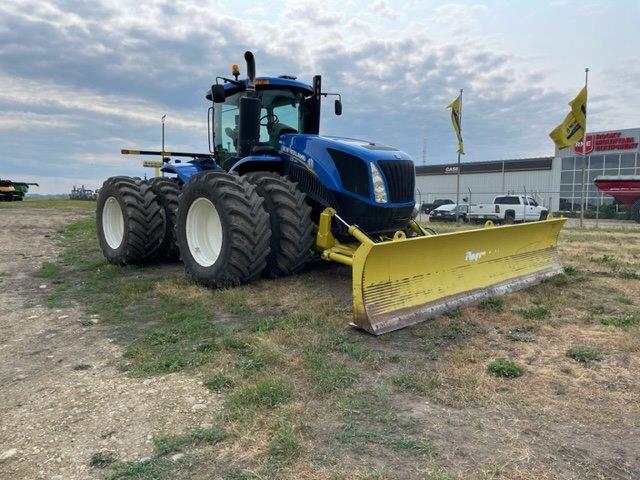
(25,92)
(17,120)
(382,7)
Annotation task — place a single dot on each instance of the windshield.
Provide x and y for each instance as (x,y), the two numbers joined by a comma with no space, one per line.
(280,114)
(446,208)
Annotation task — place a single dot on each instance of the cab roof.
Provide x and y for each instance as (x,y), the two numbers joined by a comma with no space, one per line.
(263,83)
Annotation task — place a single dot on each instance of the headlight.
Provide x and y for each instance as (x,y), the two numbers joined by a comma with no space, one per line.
(379,190)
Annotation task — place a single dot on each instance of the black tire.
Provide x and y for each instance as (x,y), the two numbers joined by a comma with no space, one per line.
(544,214)
(509,218)
(635,211)
(167,191)
(244,239)
(291,224)
(143,221)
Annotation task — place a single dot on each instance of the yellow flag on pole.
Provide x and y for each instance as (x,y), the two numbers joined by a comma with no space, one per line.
(574,125)
(456,115)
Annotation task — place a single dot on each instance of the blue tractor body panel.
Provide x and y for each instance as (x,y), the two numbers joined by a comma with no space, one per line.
(184,171)
(313,152)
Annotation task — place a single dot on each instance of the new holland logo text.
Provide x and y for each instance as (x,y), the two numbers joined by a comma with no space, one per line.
(307,161)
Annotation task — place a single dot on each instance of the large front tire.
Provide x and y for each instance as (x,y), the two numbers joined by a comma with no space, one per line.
(129,220)
(291,225)
(222,230)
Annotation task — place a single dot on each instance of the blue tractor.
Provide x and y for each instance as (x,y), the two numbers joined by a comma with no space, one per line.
(272,191)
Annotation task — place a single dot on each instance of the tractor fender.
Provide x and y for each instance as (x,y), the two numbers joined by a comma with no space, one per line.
(258,163)
(184,171)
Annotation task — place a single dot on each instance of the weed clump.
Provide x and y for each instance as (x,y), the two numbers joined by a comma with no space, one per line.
(538,312)
(521,333)
(169,443)
(421,383)
(269,391)
(493,303)
(284,446)
(505,369)
(584,354)
(623,321)
(629,275)
(218,381)
(48,270)
(102,459)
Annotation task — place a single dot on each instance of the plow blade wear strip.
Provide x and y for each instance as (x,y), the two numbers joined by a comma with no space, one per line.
(400,282)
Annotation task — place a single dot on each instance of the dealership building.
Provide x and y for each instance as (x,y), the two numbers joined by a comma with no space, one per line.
(554,181)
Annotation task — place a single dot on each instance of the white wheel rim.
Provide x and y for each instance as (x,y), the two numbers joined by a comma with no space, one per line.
(112,223)
(204,232)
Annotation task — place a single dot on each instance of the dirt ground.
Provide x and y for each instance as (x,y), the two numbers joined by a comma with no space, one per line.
(62,396)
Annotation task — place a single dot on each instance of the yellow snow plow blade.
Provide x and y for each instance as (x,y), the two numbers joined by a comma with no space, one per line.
(403,281)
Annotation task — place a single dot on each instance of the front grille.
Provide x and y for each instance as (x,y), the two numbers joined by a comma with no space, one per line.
(353,172)
(401,179)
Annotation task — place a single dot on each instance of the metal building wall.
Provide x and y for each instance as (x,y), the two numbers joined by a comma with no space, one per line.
(543,184)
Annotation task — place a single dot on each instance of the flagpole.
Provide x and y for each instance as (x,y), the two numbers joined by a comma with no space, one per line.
(584,153)
(458,175)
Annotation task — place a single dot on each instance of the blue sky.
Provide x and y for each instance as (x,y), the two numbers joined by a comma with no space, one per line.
(81,79)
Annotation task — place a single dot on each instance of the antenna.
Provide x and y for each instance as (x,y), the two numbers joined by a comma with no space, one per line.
(424,151)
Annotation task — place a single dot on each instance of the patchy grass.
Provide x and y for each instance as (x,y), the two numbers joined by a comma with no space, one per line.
(325,373)
(622,321)
(410,380)
(495,304)
(170,443)
(505,369)
(584,354)
(285,445)
(536,312)
(521,333)
(218,382)
(630,275)
(305,396)
(267,392)
(48,270)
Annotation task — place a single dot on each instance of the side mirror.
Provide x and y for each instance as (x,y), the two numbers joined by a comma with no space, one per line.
(217,93)
(338,107)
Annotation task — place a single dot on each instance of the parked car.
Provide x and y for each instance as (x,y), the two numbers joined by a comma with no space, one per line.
(429,207)
(448,213)
(508,209)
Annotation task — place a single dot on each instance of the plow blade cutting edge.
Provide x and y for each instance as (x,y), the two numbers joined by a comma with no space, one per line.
(404,281)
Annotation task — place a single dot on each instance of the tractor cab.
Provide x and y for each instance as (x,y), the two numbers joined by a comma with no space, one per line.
(249,116)
(281,111)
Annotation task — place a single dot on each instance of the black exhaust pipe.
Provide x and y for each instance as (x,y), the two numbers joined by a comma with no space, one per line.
(249,121)
(251,71)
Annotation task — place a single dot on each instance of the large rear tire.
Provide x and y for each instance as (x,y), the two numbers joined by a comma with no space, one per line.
(222,230)
(167,191)
(291,224)
(635,211)
(130,222)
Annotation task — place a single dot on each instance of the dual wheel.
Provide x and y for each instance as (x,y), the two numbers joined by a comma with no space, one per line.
(226,229)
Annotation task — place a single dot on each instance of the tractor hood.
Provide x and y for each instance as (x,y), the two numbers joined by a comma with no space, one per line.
(366,150)
(346,165)
(346,173)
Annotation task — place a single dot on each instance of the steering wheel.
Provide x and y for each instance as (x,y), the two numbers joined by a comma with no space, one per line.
(265,118)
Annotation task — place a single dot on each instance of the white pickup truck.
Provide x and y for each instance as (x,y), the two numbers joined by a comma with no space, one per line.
(508,209)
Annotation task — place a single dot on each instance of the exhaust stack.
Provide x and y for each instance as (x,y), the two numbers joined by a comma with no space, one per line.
(251,71)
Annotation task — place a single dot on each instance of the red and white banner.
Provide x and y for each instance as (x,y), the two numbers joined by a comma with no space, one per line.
(606,142)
